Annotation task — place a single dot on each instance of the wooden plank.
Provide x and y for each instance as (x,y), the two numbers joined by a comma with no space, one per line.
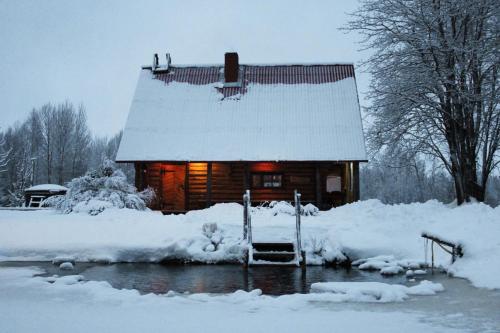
(209,184)
(356,195)
(186,186)
(319,201)
(247,176)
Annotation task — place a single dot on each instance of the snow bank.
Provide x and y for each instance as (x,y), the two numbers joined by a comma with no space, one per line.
(377,236)
(68,304)
(376,291)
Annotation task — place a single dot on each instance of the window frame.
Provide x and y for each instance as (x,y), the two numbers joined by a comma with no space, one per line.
(261,175)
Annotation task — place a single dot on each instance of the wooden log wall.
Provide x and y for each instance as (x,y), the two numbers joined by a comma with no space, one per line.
(152,178)
(187,186)
(197,196)
(228,182)
(296,175)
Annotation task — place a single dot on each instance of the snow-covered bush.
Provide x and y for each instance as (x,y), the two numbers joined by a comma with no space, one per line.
(212,232)
(100,189)
(309,210)
(284,207)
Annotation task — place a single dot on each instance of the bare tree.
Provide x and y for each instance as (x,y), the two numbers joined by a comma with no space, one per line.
(81,144)
(58,139)
(64,125)
(4,154)
(46,114)
(435,83)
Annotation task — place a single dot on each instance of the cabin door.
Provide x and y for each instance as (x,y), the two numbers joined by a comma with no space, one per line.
(173,189)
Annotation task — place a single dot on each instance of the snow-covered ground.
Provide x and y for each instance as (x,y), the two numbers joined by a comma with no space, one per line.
(389,234)
(66,304)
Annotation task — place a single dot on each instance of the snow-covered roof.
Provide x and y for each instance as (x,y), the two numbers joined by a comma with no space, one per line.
(275,113)
(47,187)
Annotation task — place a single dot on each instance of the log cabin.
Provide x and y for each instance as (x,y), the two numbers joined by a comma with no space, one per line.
(203,134)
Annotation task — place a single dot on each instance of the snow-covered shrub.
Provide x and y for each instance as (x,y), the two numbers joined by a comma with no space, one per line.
(212,232)
(100,189)
(309,210)
(281,207)
(284,207)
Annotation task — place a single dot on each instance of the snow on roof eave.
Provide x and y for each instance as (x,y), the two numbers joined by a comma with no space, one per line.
(244,161)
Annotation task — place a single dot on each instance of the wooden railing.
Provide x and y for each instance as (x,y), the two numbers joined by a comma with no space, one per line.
(247,218)
(456,250)
(298,248)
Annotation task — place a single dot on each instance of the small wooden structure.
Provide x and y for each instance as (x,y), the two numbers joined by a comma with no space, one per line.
(204,134)
(34,196)
(456,250)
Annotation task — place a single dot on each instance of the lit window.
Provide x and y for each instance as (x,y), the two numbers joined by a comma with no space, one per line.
(267,180)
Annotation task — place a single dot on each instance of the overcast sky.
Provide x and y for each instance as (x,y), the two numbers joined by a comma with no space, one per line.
(90,52)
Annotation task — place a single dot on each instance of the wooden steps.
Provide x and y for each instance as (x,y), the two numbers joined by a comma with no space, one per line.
(273,247)
(273,254)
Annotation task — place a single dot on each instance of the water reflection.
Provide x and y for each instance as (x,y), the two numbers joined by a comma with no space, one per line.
(159,279)
(272,280)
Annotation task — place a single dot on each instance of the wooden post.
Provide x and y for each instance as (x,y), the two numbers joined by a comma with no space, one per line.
(247,176)
(245,216)
(209,184)
(298,250)
(140,175)
(432,256)
(162,204)
(319,200)
(186,186)
(356,194)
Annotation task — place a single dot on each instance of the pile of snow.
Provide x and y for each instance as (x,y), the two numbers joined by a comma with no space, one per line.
(285,207)
(98,190)
(376,291)
(66,266)
(380,237)
(388,264)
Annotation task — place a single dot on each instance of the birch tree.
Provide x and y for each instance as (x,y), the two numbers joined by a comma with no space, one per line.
(435,83)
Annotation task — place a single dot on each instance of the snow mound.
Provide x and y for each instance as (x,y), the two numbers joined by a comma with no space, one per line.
(376,291)
(66,266)
(388,265)
(67,280)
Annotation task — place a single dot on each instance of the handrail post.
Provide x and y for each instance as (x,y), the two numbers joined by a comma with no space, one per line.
(297,225)
(245,216)
(247,219)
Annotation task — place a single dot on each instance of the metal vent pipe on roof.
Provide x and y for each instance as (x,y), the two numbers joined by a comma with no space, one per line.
(231,67)
(155,61)
(169,60)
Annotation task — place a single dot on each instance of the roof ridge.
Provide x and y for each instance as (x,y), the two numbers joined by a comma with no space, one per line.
(291,64)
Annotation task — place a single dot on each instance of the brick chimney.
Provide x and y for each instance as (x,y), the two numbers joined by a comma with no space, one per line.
(231,67)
